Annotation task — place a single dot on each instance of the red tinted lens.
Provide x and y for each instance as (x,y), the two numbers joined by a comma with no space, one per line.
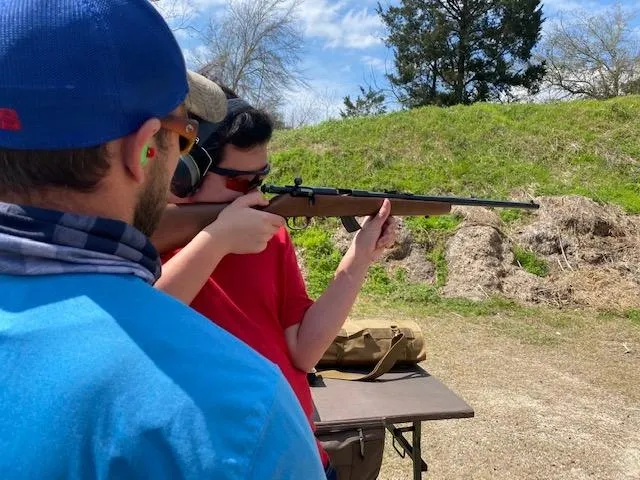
(242,185)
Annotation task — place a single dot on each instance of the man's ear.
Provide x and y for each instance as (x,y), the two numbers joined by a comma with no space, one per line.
(138,149)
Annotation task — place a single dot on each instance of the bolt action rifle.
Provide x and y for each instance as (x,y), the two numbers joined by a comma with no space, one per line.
(180,223)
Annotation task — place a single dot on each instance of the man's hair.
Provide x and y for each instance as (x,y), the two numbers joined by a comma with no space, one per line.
(244,130)
(24,171)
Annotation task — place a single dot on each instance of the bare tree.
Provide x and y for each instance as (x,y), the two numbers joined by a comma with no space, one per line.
(180,15)
(311,106)
(328,103)
(301,114)
(255,49)
(592,56)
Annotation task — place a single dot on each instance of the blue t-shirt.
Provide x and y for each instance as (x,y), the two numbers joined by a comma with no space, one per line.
(103,376)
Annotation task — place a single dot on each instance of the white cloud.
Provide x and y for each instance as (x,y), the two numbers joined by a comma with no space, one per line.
(194,56)
(559,6)
(164,5)
(339,25)
(374,62)
(185,15)
(209,3)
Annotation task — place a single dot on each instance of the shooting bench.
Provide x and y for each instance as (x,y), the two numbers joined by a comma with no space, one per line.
(407,395)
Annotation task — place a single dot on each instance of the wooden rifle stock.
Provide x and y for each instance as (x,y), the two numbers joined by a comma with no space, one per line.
(289,206)
(181,223)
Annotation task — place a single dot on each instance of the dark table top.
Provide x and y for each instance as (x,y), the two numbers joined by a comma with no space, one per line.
(404,395)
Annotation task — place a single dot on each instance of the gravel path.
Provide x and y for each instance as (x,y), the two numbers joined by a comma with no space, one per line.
(549,404)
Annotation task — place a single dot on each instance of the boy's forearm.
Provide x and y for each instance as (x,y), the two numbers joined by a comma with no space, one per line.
(323,320)
(186,273)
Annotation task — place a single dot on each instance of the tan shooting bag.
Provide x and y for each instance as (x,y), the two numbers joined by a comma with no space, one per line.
(375,344)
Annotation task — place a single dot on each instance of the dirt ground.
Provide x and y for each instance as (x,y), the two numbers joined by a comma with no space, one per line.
(552,399)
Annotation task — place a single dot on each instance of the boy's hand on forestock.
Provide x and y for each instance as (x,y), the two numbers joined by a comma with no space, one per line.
(243,229)
(378,233)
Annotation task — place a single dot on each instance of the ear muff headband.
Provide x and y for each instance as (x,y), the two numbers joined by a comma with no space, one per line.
(236,106)
(192,167)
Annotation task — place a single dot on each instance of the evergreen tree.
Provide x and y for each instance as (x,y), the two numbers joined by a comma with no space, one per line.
(463,51)
(370,102)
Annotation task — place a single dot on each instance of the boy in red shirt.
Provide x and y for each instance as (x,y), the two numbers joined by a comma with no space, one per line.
(241,271)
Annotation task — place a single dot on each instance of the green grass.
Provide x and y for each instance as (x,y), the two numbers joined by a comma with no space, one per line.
(590,148)
(426,224)
(320,257)
(429,231)
(585,147)
(380,284)
(371,304)
(437,257)
(634,316)
(512,215)
(530,262)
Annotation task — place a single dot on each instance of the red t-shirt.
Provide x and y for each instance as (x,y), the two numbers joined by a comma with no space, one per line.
(256,297)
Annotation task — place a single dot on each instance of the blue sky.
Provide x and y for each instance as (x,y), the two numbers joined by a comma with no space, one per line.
(344,46)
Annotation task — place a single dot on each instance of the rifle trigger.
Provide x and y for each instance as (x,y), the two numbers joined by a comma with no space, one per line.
(350,224)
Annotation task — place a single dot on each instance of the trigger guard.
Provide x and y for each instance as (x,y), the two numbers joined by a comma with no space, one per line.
(291,223)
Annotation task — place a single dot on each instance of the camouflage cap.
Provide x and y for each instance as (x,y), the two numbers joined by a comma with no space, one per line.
(205,99)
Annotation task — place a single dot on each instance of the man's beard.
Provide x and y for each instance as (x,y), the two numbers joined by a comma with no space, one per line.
(153,197)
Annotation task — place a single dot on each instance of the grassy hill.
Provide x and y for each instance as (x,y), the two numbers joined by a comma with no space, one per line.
(590,148)
(588,360)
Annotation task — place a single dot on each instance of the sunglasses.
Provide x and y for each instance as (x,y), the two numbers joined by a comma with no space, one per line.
(242,185)
(186,128)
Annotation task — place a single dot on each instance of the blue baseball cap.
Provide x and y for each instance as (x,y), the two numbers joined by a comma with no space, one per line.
(79,73)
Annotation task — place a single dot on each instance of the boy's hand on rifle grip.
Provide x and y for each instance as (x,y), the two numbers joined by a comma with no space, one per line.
(244,229)
(378,233)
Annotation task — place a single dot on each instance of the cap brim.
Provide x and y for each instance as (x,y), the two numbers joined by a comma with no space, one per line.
(205,99)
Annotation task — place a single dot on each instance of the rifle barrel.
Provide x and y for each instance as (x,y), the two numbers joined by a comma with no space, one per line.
(303,191)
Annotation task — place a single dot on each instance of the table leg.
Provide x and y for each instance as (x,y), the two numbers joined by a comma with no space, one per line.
(403,446)
(417,450)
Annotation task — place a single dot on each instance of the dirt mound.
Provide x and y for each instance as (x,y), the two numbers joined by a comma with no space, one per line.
(410,257)
(593,251)
(477,216)
(530,289)
(481,264)
(601,288)
(578,229)
(591,254)
(402,249)
(477,262)
(342,239)
(405,254)
(582,216)
(418,268)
